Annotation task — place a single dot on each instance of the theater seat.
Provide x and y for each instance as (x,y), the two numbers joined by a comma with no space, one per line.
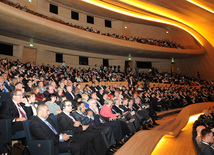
(5,135)
(41,147)
(198,150)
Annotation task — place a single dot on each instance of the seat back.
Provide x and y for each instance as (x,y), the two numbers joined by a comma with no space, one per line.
(29,138)
(5,135)
(4,97)
(198,150)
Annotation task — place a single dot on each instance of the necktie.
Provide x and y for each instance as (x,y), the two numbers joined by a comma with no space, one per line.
(51,127)
(93,123)
(21,111)
(72,118)
(113,111)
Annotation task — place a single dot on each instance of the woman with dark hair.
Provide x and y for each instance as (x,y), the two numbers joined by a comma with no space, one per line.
(76,100)
(51,103)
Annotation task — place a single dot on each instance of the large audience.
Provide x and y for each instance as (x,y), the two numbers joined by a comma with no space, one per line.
(115,112)
(150,41)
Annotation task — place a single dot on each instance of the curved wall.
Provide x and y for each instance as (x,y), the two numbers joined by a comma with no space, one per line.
(118,27)
(189,66)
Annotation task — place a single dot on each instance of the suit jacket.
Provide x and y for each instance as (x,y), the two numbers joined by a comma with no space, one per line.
(96,117)
(206,149)
(41,131)
(83,119)
(9,88)
(115,108)
(8,110)
(69,96)
(124,108)
(67,124)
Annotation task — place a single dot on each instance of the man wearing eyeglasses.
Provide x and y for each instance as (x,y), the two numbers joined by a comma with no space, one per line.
(68,122)
(15,110)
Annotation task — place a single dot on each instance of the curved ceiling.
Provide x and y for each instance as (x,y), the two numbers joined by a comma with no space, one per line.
(193,16)
(18,24)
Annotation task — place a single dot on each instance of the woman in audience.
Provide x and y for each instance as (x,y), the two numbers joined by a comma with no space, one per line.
(30,98)
(85,100)
(39,97)
(51,103)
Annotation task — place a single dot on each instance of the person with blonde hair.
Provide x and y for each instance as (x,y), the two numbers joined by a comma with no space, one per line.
(85,100)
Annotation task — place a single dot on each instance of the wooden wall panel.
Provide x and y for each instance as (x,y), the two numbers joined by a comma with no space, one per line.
(29,55)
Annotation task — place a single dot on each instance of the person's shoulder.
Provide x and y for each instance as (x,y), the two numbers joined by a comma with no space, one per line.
(62,114)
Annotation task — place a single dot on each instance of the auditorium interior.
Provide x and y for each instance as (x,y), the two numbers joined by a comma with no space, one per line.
(158,53)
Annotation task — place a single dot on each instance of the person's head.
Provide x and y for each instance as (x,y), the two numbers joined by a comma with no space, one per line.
(94,95)
(205,111)
(17,95)
(116,94)
(109,102)
(30,96)
(43,111)
(199,129)
(66,106)
(52,98)
(105,96)
(69,88)
(81,107)
(5,76)
(131,102)
(207,135)
(35,89)
(18,85)
(62,84)
(41,84)
(116,102)
(30,83)
(84,97)
(92,103)
(59,91)
(125,101)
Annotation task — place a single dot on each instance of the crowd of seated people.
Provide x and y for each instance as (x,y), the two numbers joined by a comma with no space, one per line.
(203,130)
(115,113)
(150,41)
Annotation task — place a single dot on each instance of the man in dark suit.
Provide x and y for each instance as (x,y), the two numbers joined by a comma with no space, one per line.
(207,141)
(6,82)
(80,132)
(106,131)
(69,94)
(43,128)
(15,111)
(116,128)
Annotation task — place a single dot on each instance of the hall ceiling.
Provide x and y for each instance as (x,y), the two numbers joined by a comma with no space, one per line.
(193,16)
(195,20)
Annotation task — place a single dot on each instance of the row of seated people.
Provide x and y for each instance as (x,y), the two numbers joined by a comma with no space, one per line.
(113,127)
(159,97)
(19,71)
(150,41)
(203,131)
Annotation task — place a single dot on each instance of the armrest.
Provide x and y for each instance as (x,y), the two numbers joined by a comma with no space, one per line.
(41,147)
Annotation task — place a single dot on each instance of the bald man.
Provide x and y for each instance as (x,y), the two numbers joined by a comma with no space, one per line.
(43,128)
